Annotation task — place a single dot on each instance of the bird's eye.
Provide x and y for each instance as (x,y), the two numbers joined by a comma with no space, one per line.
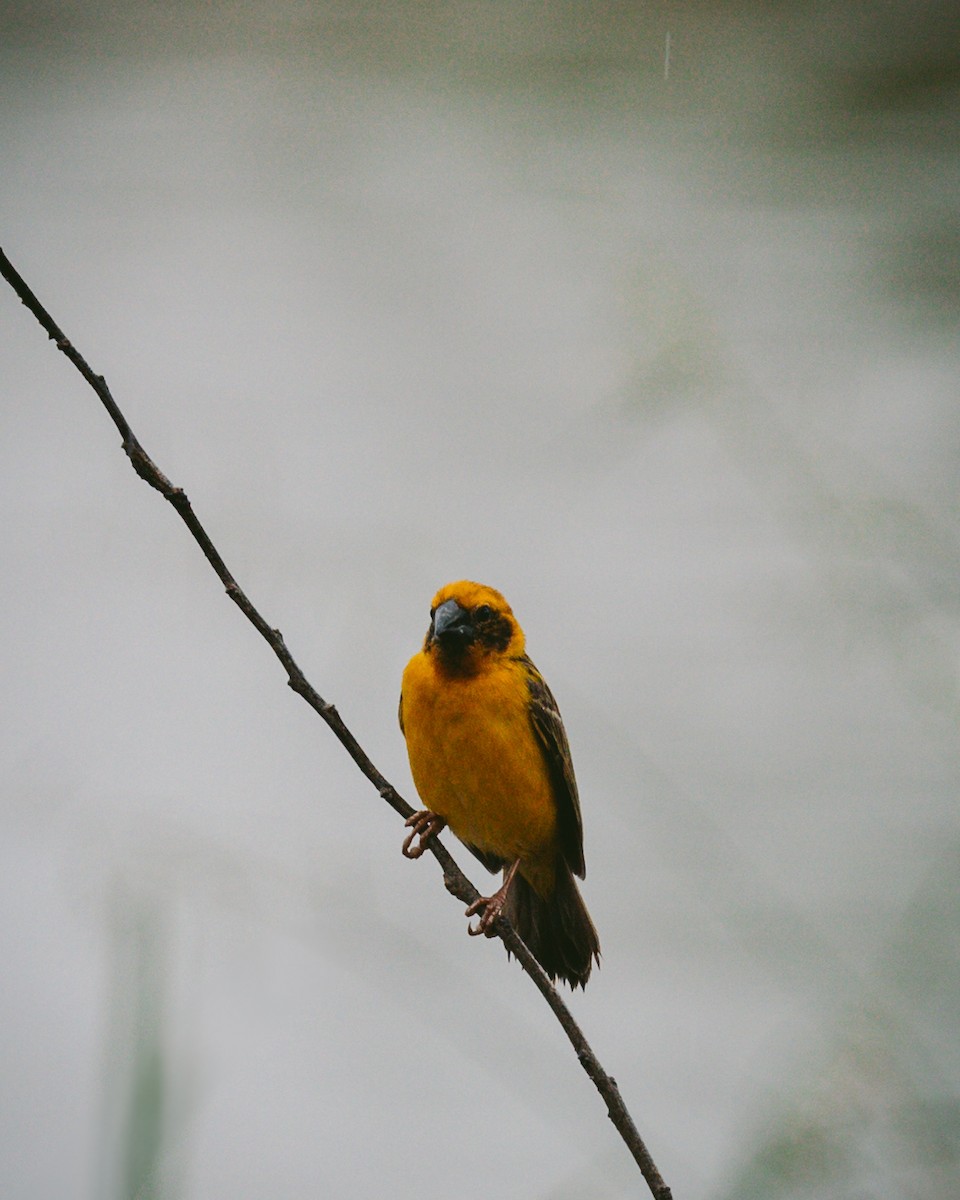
(483,612)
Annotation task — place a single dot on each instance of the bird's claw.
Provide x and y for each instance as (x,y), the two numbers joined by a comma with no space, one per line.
(488,908)
(423,825)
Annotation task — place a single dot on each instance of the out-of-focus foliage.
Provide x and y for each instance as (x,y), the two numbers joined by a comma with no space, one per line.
(878,1112)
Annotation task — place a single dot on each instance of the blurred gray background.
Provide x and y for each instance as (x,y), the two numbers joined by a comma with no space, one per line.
(666,350)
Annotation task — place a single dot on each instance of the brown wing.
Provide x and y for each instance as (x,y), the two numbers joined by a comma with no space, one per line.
(553,738)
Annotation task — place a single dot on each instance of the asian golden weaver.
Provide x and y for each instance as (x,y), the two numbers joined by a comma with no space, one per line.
(490,758)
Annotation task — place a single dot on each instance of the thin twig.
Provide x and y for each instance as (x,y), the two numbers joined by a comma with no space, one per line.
(454,880)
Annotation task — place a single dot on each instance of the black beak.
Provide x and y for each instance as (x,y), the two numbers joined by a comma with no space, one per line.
(451,623)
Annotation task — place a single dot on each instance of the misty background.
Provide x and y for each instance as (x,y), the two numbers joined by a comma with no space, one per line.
(659,340)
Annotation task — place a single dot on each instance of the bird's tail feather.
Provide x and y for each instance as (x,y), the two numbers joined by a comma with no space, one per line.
(557,929)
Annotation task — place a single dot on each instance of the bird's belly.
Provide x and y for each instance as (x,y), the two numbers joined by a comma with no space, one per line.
(476,763)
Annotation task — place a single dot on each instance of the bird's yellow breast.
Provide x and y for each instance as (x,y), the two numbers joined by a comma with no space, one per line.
(475,758)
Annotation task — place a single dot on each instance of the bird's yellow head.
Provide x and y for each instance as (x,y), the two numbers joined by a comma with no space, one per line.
(470,623)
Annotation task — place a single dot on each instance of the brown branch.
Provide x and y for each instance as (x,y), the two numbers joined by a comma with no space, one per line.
(454,880)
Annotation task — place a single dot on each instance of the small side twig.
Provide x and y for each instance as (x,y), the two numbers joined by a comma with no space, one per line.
(454,880)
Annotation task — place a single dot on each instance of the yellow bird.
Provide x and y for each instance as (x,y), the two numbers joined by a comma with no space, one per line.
(490,758)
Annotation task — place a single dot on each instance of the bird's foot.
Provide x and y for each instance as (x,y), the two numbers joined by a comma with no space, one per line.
(423,825)
(488,908)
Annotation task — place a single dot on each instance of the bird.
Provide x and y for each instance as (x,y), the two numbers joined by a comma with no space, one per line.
(490,759)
